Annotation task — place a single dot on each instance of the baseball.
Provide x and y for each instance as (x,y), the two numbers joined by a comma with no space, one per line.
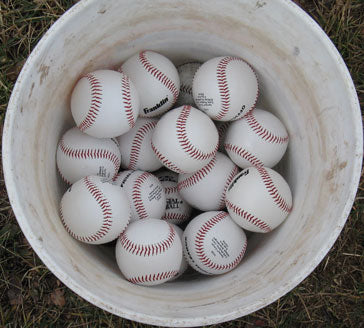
(184,264)
(180,142)
(205,189)
(79,155)
(145,193)
(105,104)
(222,128)
(178,210)
(225,88)
(94,211)
(135,147)
(157,79)
(186,73)
(258,139)
(213,243)
(149,252)
(259,199)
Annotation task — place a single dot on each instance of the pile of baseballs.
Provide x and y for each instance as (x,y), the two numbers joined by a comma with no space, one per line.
(211,151)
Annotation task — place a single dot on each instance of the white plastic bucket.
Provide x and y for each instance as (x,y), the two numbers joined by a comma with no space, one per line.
(303,80)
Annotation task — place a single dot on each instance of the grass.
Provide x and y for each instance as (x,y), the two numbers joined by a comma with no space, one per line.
(31,296)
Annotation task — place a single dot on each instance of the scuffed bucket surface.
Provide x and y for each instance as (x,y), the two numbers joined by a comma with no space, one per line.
(303,80)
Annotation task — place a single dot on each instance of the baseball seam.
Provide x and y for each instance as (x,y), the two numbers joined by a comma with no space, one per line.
(90,154)
(221,129)
(199,247)
(106,212)
(262,131)
(179,217)
(224,87)
(170,190)
(165,161)
(126,97)
(148,250)
(153,277)
(63,177)
(137,143)
(96,98)
(184,141)
(197,176)
(160,76)
(137,196)
(248,217)
(230,178)
(186,89)
(272,190)
(244,154)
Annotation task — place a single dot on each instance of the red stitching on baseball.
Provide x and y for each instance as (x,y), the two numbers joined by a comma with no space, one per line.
(96,97)
(185,143)
(244,154)
(153,277)
(224,87)
(186,89)
(272,190)
(137,196)
(197,176)
(90,154)
(232,174)
(199,247)
(126,96)
(165,161)
(248,217)
(179,217)
(62,176)
(263,132)
(160,76)
(170,190)
(106,212)
(147,250)
(137,143)
(222,129)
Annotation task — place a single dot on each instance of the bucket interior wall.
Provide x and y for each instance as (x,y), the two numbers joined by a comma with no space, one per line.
(298,78)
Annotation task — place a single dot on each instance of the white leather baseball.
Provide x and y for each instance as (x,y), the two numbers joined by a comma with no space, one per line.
(225,88)
(105,104)
(145,193)
(185,140)
(186,73)
(94,211)
(213,243)
(184,264)
(135,147)
(258,139)
(259,199)
(156,78)
(178,210)
(149,252)
(79,155)
(205,189)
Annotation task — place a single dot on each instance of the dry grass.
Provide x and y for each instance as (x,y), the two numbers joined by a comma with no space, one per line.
(332,296)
